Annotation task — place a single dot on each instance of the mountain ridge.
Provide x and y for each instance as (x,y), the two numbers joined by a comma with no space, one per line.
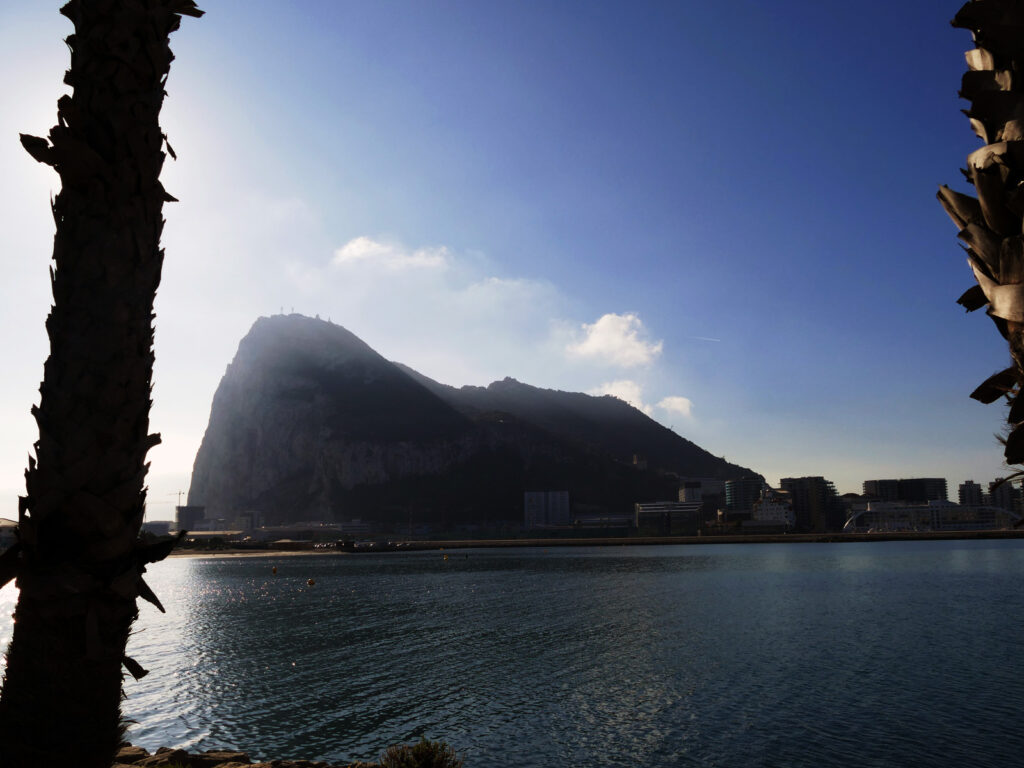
(575,413)
(310,423)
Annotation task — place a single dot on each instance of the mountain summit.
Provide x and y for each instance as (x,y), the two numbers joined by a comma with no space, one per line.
(310,423)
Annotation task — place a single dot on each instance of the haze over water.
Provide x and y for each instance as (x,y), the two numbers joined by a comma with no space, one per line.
(878,654)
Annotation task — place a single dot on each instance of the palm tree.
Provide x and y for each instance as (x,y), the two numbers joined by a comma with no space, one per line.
(79,561)
(991,225)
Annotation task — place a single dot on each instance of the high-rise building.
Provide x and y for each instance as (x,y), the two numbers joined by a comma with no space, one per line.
(816,504)
(741,494)
(970,494)
(709,491)
(190,518)
(919,490)
(914,490)
(883,490)
(1005,495)
(699,488)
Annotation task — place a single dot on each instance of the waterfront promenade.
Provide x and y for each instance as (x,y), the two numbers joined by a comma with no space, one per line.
(782,538)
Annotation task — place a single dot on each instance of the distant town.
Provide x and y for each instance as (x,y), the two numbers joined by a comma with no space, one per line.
(703,507)
(799,505)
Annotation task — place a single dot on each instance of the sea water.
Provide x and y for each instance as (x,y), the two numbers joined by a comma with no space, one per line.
(861,654)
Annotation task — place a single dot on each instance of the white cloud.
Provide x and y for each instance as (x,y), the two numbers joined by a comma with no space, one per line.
(443,312)
(677,404)
(616,340)
(499,296)
(467,324)
(389,256)
(626,390)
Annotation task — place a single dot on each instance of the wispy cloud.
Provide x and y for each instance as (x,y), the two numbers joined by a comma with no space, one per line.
(448,315)
(441,311)
(626,390)
(389,256)
(677,404)
(616,340)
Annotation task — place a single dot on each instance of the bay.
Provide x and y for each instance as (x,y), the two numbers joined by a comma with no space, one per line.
(865,654)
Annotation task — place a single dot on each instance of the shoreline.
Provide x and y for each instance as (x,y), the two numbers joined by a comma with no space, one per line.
(786,538)
(201,554)
(168,757)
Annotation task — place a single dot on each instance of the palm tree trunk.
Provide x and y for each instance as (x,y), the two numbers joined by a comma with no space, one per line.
(991,225)
(80,564)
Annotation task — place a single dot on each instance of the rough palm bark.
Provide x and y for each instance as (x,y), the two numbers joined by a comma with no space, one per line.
(79,561)
(992,224)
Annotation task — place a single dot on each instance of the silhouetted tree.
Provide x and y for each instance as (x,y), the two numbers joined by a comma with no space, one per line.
(992,224)
(79,561)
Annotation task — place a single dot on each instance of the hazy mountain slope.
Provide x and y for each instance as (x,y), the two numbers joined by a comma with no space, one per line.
(310,423)
(605,423)
(305,405)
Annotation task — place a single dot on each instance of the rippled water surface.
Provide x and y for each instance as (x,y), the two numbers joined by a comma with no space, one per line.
(880,654)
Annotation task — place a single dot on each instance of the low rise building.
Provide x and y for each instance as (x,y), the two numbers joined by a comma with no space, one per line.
(669,518)
(209,537)
(158,527)
(308,531)
(775,507)
(937,515)
(8,535)
(247,521)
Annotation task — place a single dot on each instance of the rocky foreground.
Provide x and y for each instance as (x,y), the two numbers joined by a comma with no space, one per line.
(179,758)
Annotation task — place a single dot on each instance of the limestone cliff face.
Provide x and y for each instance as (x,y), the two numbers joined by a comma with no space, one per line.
(309,423)
(306,407)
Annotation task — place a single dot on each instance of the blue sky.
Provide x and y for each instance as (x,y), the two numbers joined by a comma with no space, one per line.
(724,212)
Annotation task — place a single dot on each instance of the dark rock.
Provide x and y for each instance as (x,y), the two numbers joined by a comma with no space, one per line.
(215,757)
(163,756)
(133,757)
(130,754)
